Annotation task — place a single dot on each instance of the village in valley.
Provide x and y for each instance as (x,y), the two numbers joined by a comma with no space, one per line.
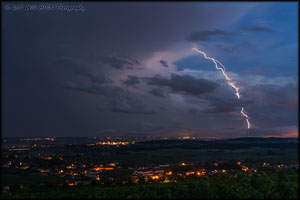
(68,163)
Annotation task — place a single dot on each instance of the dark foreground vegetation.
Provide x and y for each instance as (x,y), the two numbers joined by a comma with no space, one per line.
(275,184)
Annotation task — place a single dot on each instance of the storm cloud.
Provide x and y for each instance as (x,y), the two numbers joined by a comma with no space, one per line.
(207,35)
(158,93)
(257,28)
(185,83)
(129,67)
(131,81)
(164,63)
(120,99)
(117,63)
(128,103)
(81,68)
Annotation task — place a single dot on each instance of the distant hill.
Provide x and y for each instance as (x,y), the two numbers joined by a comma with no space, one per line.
(235,143)
(261,139)
(232,140)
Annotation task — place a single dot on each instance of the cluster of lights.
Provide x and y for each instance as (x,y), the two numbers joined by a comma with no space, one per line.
(207,138)
(102,168)
(202,173)
(169,173)
(35,139)
(245,169)
(155,177)
(31,139)
(265,164)
(198,173)
(24,167)
(45,157)
(44,170)
(186,137)
(72,173)
(19,149)
(110,143)
(70,166)
(189,173)
(71,184)
(113,143)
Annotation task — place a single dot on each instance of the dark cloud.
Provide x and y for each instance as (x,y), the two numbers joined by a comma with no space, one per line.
(258,29)
(207,35)
(91,102)
(274,105)
(121,100)
(164,63)
(96,89)
(82,68)
(266,95)
(186,83)
(218,105)
(158,93)
(225,35)
(131,81)
(134,61)
(131,104)
(118,63)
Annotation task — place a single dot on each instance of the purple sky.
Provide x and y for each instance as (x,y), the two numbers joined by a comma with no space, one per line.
(129,69)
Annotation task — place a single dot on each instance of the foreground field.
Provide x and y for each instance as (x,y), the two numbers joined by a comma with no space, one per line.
(263,185)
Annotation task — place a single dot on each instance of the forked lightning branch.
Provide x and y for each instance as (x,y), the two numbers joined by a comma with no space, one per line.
(228,81)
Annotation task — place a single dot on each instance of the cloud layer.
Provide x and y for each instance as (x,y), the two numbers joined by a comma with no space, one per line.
(128,69)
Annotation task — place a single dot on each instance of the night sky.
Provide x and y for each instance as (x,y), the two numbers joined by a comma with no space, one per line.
(128,69)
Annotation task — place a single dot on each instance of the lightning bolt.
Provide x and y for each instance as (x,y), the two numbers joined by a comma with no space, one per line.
(228,81)
(246,116)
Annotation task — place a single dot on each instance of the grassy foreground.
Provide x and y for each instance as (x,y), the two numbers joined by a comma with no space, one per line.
(263,185)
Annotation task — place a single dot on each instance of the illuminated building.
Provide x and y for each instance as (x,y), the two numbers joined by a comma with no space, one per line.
(189,173)
(169,173)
